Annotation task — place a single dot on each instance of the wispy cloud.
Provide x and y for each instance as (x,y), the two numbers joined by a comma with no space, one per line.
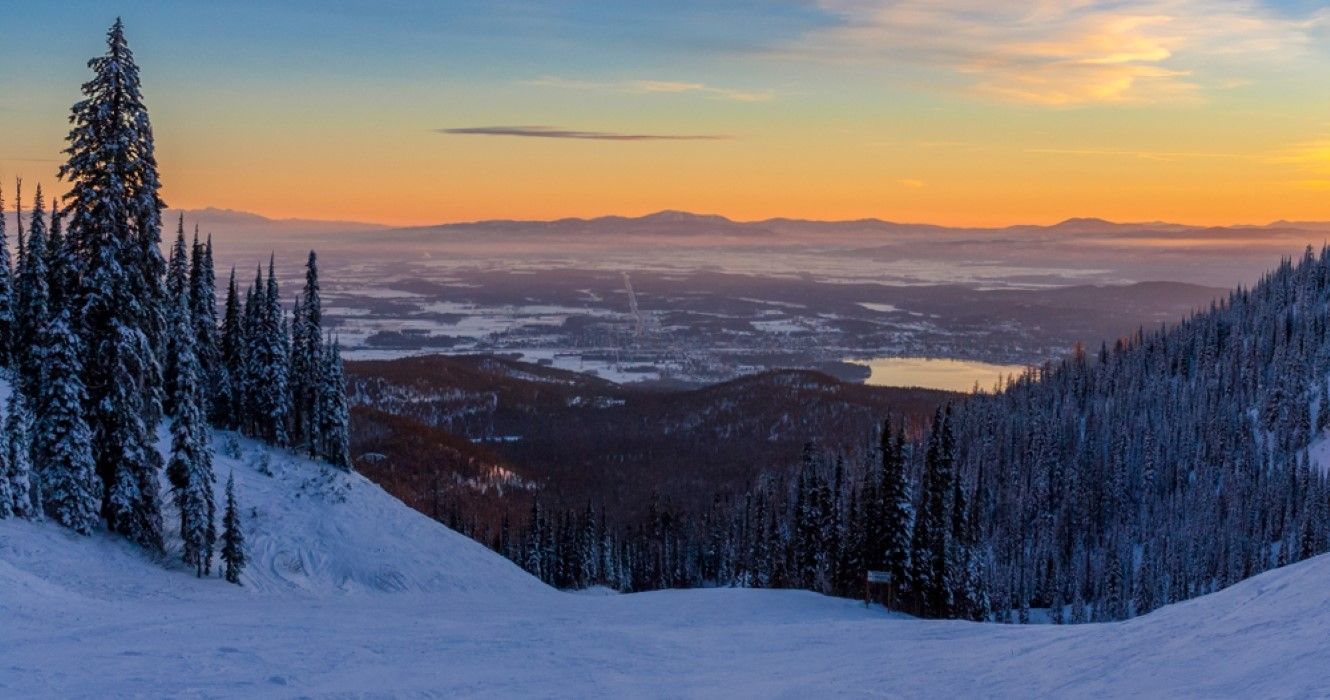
(1056,52)
(655,87)
(551,132)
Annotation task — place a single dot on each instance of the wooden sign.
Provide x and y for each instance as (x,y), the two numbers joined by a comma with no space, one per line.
(879,577)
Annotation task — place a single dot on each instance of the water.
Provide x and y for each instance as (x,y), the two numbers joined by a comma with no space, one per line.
(935,373)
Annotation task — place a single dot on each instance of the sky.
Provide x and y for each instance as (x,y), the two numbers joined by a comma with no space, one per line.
(958,112)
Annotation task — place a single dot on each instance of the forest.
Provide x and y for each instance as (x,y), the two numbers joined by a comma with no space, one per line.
(1167,465)
(102,338)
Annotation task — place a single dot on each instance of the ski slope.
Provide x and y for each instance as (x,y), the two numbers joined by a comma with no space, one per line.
(351,594)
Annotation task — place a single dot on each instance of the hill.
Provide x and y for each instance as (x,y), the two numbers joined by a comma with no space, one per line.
(311,531)
(581,438)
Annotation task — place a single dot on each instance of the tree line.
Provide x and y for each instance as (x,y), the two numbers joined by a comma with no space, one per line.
(1097,487)
(102,337)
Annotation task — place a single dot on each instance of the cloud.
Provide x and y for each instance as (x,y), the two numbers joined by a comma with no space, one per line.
(911,183)
(1064,52)
(550,132)
(642,87)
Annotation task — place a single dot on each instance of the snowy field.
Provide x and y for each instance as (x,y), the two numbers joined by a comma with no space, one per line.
(350,594)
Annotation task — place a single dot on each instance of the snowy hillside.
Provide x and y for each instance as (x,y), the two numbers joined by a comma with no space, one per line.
(311,529)
(351,593)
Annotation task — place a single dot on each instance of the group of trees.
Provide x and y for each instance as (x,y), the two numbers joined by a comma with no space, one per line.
(102,337)
(1173,463)
(821,529)
(277,380)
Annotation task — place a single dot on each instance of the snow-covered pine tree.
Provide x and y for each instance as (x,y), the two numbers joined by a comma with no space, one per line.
(25,494)
(230,396)
(334,429)
(57,264)
(31,302)
(113,232)
(6,291)
(6,492)
(61,440)
(307,362)
(932,534)
(252,350)
(20,243)
(273,359)
(897,510)
(269,361)
(189,469)
(177,284)
(233,536)
(203,313)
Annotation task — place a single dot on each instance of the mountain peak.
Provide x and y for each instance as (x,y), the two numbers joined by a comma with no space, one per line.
(675,216)
(1083,222)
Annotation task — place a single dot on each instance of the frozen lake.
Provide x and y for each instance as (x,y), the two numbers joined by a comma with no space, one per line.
(935,373)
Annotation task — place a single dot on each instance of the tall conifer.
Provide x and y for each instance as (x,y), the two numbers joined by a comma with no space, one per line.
(113,230)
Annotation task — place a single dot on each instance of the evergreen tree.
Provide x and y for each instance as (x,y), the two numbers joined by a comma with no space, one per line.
(932,542)
(61,440)
(190,467)
(253,348)
(25,494)
(230,396)
(31,307)
(6,292)
(897,510)
(58,267)
(268,365)
(233,538)
(334,427)
(307,362)
(113,230)
(177,284)
(203,313)
(20,243)
(6,491)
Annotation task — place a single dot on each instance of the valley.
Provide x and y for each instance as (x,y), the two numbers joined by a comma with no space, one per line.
(680,299)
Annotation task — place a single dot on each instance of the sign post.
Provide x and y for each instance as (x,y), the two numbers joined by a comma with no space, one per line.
(878,577)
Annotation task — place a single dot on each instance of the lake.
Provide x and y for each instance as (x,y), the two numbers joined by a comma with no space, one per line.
(935,373)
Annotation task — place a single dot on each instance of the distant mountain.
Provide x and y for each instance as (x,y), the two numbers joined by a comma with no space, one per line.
(1101,226)
(670,222)
(662,223)
(1299,225)
(232,221)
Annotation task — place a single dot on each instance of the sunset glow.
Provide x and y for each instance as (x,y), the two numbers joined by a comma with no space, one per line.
(946,112)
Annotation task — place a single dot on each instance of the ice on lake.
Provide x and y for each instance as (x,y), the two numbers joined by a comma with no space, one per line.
(935,373)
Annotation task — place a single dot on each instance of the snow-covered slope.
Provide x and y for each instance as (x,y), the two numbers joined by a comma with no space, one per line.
(352,594)
(310,530)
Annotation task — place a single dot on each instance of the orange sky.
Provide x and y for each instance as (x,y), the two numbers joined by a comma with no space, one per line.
(949,111)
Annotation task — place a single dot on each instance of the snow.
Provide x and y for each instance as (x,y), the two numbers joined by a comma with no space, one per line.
(351,594)
(1318,453)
